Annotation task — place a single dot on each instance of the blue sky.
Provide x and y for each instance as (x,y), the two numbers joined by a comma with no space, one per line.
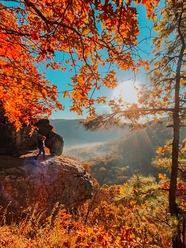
(62,79)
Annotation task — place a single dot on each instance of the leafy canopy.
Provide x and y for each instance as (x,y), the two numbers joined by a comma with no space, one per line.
(90,35)
(165,83)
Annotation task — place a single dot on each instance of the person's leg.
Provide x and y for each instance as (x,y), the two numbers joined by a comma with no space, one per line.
(43,153)
(38,153)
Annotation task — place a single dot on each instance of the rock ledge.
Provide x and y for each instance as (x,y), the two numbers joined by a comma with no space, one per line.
(59,179)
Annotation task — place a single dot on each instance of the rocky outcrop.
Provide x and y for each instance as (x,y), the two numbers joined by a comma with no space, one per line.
(19,143)
(16,143)
(44,126)
(43,183)
(53,141)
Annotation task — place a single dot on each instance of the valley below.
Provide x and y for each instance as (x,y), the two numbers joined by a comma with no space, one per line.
(115,155)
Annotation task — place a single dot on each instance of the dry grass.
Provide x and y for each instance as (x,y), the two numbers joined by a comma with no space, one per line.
(30,233)
(63,230)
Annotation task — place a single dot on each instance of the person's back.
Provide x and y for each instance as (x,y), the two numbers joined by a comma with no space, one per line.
(40,144)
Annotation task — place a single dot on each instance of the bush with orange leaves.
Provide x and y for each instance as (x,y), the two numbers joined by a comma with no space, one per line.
(103,221)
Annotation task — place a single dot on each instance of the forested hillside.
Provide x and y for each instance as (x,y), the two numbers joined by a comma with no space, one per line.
(115,161)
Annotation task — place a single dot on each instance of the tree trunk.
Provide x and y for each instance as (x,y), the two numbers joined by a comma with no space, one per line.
(174,170)
(177,242)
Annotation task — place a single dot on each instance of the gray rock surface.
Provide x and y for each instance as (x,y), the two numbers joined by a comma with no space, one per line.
(27,182)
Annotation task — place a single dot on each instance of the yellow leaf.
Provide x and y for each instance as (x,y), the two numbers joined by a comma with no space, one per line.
(90,230)
(162,176)
(101,99)
(132,236)
(44,92)
(66,94)
(85,31)
(154,17)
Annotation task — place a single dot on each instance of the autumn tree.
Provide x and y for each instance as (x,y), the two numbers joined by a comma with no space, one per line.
(164,94)
(88,35)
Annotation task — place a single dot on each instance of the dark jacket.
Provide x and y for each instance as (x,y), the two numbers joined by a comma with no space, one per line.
(40,144)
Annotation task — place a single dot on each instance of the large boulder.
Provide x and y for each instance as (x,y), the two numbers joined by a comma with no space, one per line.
(12,142)
(55,143)
(16,143)
(44,126)
(26,183)
(19,143)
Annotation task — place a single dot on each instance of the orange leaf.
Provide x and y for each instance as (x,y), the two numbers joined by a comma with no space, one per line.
(66,94)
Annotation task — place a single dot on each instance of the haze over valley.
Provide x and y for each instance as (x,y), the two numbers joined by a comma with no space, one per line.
(114,154)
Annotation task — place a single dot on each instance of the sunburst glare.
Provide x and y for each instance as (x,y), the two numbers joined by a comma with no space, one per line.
(126,90)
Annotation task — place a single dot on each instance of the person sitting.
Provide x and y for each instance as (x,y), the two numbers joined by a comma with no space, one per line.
(41,146)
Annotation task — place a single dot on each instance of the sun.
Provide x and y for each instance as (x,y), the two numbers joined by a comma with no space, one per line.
(126,91)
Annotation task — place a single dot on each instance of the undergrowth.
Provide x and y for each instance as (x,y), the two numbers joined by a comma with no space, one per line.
(100,222)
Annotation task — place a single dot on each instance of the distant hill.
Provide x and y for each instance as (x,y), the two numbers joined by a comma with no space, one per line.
(138,149)
(75,134)
(115,161)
